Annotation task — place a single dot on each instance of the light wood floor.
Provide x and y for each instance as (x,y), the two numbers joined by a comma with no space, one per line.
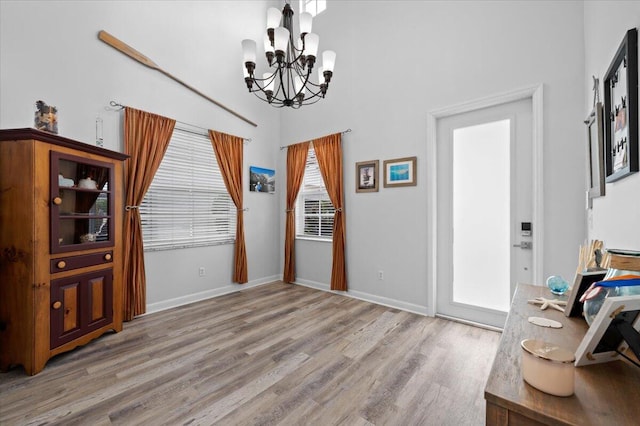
(274,354)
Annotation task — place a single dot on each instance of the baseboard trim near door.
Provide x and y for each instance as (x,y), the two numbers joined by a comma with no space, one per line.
(467,322)
(367,297)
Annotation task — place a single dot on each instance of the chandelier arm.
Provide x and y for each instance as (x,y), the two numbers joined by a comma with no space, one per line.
(304,75)
(280,87)
(260,90)
(315,99)
(279,95)
(314,95)
(285,93)
(313,84)
(256,84)
(274,102)
(297,53)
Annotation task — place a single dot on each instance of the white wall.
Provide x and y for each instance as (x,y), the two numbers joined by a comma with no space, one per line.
(50,51)
(615,218)
(399,60)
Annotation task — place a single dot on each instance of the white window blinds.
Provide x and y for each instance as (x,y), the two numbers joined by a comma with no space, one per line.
(187,204)
(315,212)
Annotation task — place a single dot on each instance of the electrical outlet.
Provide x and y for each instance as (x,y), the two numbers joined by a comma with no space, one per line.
(201,271)
(381,275)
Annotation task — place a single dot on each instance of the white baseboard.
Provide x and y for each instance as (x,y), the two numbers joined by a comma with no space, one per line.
(232,288)
(367,297)
(472,323)
(196,297)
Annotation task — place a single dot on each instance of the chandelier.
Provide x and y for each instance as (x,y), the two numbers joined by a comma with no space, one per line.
(289,80)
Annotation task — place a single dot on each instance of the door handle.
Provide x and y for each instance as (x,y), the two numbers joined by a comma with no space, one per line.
(527,245)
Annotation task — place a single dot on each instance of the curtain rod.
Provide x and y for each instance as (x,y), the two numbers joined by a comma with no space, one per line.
(206,131)
(342,133)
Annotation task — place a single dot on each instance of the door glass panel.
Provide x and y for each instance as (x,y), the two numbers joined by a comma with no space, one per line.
(482,215)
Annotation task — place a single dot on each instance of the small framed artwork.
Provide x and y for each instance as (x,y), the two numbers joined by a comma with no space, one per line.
(400,172)
(614,329)
(595,147)
(367,176)
(581,283)
(262,180)
(621,110)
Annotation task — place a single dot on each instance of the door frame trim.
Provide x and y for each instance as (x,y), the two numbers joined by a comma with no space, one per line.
(535,93)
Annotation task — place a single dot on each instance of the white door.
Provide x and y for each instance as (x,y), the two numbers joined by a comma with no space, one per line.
(484,210)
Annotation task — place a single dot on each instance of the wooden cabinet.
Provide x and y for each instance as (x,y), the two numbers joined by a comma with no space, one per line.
(605,394)
(61,205)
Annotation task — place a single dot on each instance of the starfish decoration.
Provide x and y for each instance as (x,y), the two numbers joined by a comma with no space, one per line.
(549,303)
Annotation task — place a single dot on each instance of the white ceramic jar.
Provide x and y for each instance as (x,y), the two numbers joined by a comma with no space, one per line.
(548,367)
(87,183)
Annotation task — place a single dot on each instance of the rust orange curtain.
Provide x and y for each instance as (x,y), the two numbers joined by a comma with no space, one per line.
(228,151)
(146,138)
(329,154)
(296,160)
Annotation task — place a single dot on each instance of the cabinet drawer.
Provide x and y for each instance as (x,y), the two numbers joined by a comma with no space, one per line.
(82,261)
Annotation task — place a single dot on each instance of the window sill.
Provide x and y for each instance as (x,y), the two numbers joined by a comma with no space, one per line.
(188,246)
(322,240)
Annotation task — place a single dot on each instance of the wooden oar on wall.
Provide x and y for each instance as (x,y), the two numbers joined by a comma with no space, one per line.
(134,54)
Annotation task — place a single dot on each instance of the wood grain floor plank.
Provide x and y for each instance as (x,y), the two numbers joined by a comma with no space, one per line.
(296,390)
(225,405)
(277,354)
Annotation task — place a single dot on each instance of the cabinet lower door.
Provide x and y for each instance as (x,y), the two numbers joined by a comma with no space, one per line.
(80,304)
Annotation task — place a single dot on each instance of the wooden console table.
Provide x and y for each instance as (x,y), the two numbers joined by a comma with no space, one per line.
(605,394)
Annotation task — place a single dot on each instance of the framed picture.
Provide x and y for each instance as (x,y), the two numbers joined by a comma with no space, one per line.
(595,147)
(400,172)
(367,176)
(621,110)
(614,328)
(581,283)
(262,180)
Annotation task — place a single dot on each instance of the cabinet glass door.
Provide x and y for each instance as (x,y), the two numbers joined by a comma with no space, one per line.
(81,203)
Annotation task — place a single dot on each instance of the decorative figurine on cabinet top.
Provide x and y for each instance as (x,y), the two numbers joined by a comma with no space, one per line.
(46,117)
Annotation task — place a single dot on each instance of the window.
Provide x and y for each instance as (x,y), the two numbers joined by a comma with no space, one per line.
(314,209)
(314,7)
(187,204)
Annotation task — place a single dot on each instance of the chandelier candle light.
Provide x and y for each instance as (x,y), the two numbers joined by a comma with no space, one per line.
(288,82)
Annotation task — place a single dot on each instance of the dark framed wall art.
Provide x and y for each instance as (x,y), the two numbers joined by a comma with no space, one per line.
(621,110)
(367,176)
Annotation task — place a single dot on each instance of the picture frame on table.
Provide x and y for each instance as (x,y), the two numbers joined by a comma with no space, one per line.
(367,176)
(581,283)
(400,172)
(621,110)
(616,325)
(595,157)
